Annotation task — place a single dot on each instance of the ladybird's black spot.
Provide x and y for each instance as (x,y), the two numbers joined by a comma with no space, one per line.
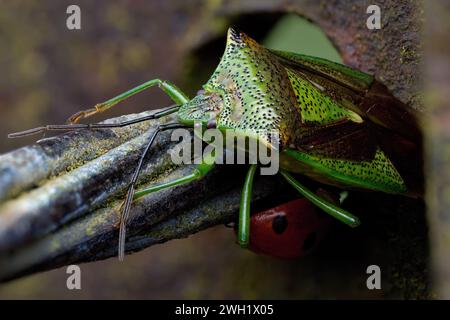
(279,224)
(310,241)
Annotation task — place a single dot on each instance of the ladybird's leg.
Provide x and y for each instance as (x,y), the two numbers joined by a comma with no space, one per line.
(178,96)
(200,171)
(328,207)
(244,208)
(79,126)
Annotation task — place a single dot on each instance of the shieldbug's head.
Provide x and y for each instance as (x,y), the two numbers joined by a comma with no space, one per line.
(203,108)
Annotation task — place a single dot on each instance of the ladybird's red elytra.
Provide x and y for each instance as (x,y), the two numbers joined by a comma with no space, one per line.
(288,231)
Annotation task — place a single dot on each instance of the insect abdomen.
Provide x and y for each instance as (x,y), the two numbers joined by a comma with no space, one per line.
(378,174)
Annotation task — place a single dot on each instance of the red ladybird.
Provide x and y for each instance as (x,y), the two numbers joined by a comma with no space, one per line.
(290,230)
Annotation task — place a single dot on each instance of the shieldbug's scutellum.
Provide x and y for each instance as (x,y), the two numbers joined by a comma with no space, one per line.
(336,125)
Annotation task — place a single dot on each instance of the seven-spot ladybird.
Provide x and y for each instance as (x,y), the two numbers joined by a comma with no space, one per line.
(290,230)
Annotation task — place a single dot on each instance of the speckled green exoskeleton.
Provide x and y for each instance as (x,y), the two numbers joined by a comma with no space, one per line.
(336,125)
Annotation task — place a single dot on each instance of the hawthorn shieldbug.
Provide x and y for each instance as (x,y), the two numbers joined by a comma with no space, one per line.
(336,125)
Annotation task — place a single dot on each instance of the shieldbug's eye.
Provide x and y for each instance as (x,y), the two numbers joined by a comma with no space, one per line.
(211,124)
(201,91)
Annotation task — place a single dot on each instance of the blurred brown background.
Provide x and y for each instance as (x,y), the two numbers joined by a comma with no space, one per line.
(49,72)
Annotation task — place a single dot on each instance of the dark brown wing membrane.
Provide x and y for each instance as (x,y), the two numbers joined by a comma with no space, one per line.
(342,139)
(385,110)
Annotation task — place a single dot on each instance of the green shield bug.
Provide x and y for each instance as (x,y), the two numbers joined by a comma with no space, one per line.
(335,124)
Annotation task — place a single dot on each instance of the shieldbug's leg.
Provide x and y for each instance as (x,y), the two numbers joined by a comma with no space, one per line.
(244,208)
(333,210)
(199,172)
(178,96)
(78,126)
